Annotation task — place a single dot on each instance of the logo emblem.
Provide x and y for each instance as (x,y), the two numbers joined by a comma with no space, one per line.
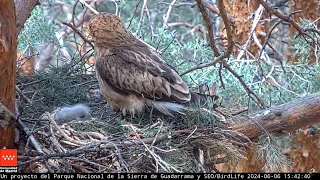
(8,157)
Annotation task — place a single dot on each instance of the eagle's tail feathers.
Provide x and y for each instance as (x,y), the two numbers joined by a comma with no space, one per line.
(167,107)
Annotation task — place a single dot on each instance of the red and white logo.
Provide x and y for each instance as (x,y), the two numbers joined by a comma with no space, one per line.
(8,157)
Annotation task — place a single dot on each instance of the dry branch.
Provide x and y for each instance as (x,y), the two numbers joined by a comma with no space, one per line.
(281,16)
(281,119)
(94,147)
(180,4)
(199,27)
(226,22)
(34,142)
(208,23)
(166,16)
(220,57)
(79,33)
(215,10)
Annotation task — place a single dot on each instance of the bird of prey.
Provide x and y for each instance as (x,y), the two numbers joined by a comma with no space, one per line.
(130,73)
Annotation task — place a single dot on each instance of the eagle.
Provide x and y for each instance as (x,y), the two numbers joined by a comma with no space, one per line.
(130,73)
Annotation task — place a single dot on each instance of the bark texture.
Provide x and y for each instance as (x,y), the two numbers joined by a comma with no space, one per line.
(281,119)
(23,11)
(8,55)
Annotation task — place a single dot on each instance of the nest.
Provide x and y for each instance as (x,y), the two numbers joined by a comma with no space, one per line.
(108,142)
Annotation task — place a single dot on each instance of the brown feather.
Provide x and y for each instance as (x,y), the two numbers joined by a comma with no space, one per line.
(130,78)
(128,67)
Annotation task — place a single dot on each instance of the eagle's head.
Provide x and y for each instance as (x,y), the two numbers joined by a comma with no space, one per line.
(107,30)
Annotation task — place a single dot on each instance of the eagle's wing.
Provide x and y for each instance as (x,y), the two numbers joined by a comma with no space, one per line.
(138,70)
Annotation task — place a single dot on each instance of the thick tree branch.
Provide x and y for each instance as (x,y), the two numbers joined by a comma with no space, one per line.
(208,23)
(219,57)
(225,19)
(215,10)
(23,11)
(281,119)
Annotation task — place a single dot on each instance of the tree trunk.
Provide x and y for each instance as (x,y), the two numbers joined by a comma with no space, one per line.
(281,119)
(8,55)
(240,11)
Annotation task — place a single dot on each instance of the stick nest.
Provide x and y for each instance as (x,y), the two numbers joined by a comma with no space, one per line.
(108,142)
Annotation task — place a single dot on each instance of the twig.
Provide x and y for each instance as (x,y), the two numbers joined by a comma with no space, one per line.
(150,24)
(245,86)
(31,137)
(135,10)
(23,96)
(180,4)
(55,141)
(33,82)
(86,161)
(166,16)
(159,161)
(175,24)
(199,28)
(159,130)
(79,33)
(220,76)
(200,66)
(211,7)
(82,169)
(284,18)
(141,15)
(118,154)
(268,37)
(257,16)
(95,147)
(239,112)
(89,7)
(59,155)
(74,12)
(220,57)
(216,51)
(195,129)
(209,27)
(52,121)
(226,22)
(217,161)
(164,50)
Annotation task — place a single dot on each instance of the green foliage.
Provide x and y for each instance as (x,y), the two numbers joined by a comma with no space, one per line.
(36,30)
(270,150)
(287,81)
(274,84)
(301,44)
(292,80)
